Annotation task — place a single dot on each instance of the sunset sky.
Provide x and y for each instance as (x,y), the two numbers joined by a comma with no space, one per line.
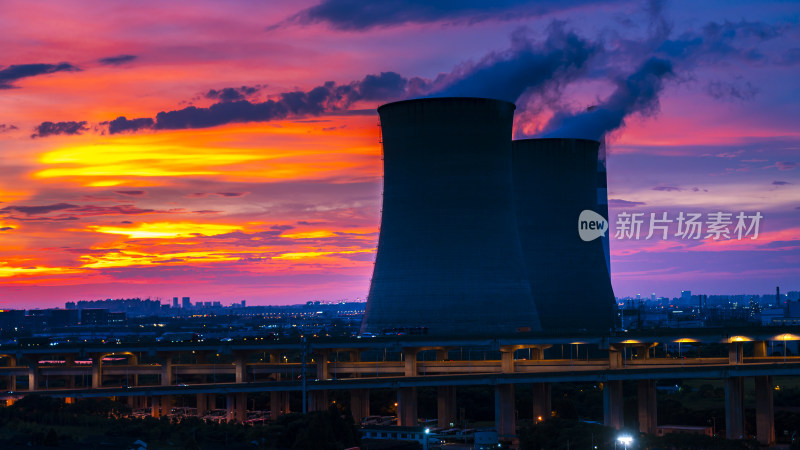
(230,150)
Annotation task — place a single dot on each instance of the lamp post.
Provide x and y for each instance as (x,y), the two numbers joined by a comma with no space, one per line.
(625,440)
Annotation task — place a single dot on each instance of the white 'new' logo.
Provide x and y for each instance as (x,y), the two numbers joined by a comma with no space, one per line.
(591,225)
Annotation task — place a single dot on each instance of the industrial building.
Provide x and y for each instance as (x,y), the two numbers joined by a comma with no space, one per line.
(477,239)
(554,181)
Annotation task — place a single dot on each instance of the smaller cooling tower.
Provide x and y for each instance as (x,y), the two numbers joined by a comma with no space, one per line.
(449,258)
(554,181)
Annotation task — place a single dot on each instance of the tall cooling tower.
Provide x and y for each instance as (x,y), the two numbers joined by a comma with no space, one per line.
(554,181)
(449,258)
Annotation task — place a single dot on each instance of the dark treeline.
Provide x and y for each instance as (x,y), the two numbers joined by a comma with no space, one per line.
(36,421)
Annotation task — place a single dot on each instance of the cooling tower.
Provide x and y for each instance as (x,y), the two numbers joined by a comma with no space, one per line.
(449,258)
(554,181)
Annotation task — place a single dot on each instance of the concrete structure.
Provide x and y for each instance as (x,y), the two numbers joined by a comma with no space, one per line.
(554,181)
(449,259)
(152,375)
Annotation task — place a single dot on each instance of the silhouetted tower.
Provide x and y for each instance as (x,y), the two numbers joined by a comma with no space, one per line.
(449,258)
(554,180)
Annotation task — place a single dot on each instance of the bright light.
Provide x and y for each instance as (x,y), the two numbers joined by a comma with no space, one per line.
(786,337)
(427,431)
(625,440)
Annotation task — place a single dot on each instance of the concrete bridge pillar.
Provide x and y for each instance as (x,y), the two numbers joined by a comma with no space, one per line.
(323,372)
(507,363)
(615,358)
(648,408)
(446,406)
(278,404)
(355,356)
(643,351)
(69,380)
(155,406)
(240,363)
(760,349)
(236,407)
(167,373)
(542,406)
(12,379)
(97,371)
(318,400)
(410,359)
(765,412)
(230,407)
(33,374)
(504,412)
(202,404)
(359,404)
(613,404)
(734,408)
(407,407)
(735,352)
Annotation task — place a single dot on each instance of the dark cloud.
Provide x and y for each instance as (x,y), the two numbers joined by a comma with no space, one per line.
(506,75)
(324,98)
(72,212)
(526,66)
(55,128)
(785,165)
(359,15)
(616,202)
(667,188)
(637,93)
(117,60)
(230,94)
(722,90)
(133,193)
(780,183)
(122,123)
(16,72)
(6,228)
(718,41)
(281,227)
(36,210)
(4,127)
(231,194)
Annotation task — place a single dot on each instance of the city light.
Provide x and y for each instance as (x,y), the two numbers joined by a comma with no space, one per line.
(625,440)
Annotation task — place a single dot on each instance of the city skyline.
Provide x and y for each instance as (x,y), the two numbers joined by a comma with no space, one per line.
(198,150)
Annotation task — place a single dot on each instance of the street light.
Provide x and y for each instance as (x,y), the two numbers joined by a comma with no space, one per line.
(625,440)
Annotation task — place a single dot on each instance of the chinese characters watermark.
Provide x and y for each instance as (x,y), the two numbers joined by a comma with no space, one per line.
(715,225)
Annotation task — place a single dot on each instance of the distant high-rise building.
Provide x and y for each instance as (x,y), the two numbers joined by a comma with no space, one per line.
(244,303)
(94,316)
(686,296)
(653,297)
(175,303)
(186,302)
